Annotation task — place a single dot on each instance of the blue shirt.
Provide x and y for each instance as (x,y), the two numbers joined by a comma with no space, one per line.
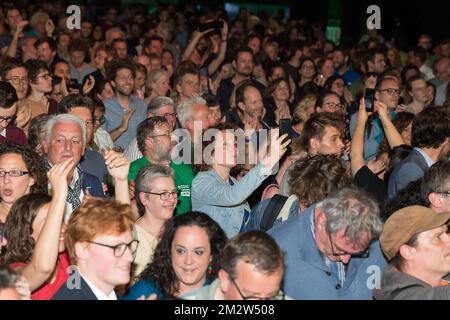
(114,114)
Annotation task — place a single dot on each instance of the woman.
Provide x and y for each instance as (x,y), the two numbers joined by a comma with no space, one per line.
(326,70)
(304,109)
(37,102)
(418,91)
(307,71)
(34,230)
(221,196)
(156,199)
(403,124)
(186,258)
(36,133)
(278,96)
(22,171)
(157,84)
(139,80)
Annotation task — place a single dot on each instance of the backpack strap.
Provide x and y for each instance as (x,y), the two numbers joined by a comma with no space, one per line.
(272,211)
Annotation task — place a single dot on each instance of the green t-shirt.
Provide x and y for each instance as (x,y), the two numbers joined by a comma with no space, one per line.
(183,181)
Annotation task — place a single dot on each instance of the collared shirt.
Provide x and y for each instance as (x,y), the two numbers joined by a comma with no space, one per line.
(3,133)
(427,158)
(336,266)
(114,115)
(132,152)
(97,292)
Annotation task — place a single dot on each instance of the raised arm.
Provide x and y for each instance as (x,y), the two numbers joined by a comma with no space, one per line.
(215,64)
(45,253)
(357,146)
(392,135)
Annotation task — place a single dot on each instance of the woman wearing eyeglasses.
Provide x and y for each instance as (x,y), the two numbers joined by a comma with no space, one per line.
(8,111)
(156,199)
(35,234)
(22,171)
(186,258)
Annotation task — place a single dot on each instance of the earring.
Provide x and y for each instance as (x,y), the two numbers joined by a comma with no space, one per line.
(210,269)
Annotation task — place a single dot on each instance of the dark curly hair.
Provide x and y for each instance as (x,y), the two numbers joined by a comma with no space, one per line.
(34,163)
(19,227)
(160,270)
(430,127)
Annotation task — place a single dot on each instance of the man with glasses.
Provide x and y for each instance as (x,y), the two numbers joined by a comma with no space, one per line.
(251,268)
(8,110)
(101,247)
(158,107)
(330,249)
(123,111)
(16,73)
(387,91)
(154,141)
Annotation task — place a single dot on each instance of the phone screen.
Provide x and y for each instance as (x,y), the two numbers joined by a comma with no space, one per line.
(369,98)
(285,126)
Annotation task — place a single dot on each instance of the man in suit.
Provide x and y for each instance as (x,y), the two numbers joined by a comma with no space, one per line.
(100,244)
(66,136)
(430,138)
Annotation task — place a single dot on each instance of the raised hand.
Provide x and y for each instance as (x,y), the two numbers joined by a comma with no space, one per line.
(126,119)
(20,26)
(58,176)
(117,164)
(88,85)
(277,148)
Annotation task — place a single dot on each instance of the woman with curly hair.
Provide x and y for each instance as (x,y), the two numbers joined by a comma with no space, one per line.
(186,258)
(22,171)
(34,230)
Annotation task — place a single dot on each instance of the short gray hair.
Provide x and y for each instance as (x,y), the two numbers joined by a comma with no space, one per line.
(158,102)
(354,211)
(144,180)
(54,120)
(185,109)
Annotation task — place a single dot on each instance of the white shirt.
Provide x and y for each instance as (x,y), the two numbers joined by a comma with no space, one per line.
(132,152)
(3,133)
(427,71)
(102,139)
(427,158)
(97,292)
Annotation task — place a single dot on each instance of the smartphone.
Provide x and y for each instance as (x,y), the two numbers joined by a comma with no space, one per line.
(217,25)
(369,98)
(285,126)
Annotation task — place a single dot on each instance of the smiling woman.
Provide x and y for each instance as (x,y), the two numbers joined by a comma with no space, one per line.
(186,258)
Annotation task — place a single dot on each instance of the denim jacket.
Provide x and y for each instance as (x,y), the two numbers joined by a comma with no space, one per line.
(223,202)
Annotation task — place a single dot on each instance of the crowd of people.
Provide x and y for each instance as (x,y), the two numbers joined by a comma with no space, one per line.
(179,154)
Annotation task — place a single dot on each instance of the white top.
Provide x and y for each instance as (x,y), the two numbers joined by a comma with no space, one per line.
(427,71)
(132,152)
(97,292)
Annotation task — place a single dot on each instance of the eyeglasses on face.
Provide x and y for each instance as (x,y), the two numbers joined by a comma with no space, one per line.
(45,76)
(360,255)
(17,80)
(119,250)
(391,91)
(164,196)
(13,173)
(279,296)
(333,105)
(167,115)
(8,120)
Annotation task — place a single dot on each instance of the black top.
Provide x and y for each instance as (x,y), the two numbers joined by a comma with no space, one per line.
(370,182)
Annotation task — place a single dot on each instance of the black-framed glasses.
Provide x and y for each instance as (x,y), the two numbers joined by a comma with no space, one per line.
(119,249)
(279,296)
(17,80)
(333,105)
(9,119)
(164,196)
(13,173)
(391,91)
(45,76)
(359,255)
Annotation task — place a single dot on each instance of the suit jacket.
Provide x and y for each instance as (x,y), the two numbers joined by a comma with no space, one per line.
(91,182)
(82,293)
(412,168)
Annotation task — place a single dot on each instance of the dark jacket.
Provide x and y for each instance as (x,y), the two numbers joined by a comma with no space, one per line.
(397,285)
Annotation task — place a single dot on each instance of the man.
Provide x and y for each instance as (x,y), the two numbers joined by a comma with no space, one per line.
(430,138)
(154,141)
(193,118)
(83,107)
(158,107)
(46,51)
(187,83)
(121,47)
(79,50)
(8,111)
(16,74)
(113,33)
(251,268)
(387,91)
(243,63)
(144,59)
(9,41)
(321,135)
(442,71)
(435,186)
(66,137)
(62,70)
(374,62)
(101,246)
(153,45)
(330,249)
(416,242)
(340,62)
(418,56)
(123,111)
